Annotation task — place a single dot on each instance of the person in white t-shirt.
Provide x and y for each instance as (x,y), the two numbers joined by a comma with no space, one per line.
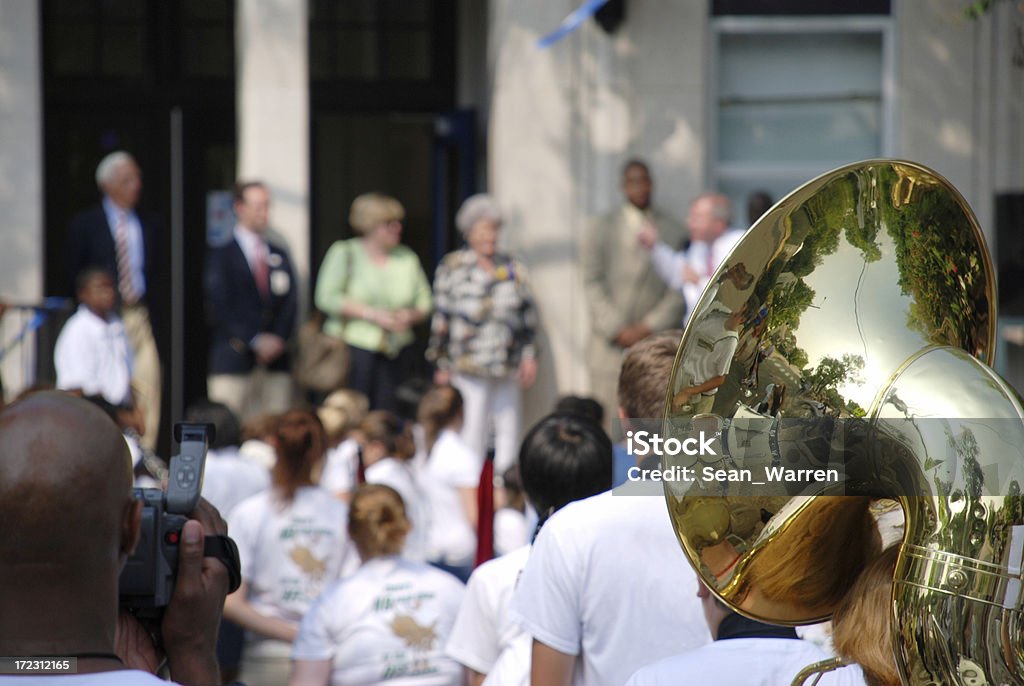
(227,479)
(70,521)
(92,356)
(293,543)
(744,653)
(387,452)
(341,413)
(563,458)
(450,474)
(387,623)
(512,527)
(607,588)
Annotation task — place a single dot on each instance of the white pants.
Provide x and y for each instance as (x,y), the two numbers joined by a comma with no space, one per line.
(489,400)
(248,395)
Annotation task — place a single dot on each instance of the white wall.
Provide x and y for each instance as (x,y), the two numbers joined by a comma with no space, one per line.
(21,177)
(273,116)
(944,97)
(562,122)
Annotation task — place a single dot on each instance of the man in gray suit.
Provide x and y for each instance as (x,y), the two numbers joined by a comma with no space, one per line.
(626,298)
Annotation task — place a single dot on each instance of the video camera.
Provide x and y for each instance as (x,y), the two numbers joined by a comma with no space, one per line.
(147,580)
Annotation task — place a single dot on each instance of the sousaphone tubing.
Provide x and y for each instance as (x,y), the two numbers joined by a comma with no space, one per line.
(847,342)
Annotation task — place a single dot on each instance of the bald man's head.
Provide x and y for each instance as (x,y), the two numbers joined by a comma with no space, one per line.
(65,484)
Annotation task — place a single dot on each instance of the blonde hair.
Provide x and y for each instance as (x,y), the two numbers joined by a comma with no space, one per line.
(817,557)
(341,412)
(862,622)
(377,522)
(370,209)
(645,374)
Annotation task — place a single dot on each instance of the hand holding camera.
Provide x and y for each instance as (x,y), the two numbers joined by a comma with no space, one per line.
(173,586)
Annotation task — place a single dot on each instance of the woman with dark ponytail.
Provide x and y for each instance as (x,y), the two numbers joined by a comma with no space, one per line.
(387,621)
(292,542)
(450,474)
(563,458)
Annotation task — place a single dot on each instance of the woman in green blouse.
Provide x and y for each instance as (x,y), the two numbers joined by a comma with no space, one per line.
(373,291)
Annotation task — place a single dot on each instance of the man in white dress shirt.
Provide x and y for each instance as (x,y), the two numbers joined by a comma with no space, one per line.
(711,240)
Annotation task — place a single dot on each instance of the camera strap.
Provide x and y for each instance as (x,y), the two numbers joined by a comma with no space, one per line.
(224,549)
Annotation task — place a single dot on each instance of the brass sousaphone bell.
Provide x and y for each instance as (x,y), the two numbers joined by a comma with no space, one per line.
(850,334)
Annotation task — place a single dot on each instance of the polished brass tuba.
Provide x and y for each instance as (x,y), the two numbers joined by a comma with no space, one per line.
(850,334)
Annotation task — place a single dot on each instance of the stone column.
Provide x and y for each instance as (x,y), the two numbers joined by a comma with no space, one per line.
(273,116)
(21,179)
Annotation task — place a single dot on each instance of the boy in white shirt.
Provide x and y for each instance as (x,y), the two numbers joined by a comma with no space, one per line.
(92,355)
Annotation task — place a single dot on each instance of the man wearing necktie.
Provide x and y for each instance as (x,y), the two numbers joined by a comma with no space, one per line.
(121,241)
(251,300)
(626,299)
(689,271)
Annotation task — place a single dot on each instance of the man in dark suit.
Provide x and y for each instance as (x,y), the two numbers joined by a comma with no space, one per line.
(114,237)
(251,300)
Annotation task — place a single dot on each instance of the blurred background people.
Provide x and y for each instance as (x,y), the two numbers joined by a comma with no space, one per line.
(450,474)
(626,299)
(257,439)
(373,291)
(758,202)
(341,414)
(93,356)
(293,543)
(711,240)
(227,481)
(564,457)
(387,450)
(251,301)
(483,331)
(123,241)
(512,528)
(389,621)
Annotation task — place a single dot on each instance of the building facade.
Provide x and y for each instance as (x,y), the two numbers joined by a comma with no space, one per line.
(431,99)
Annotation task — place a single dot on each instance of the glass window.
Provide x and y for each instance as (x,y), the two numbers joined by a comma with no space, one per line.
(795,98)
(371,40)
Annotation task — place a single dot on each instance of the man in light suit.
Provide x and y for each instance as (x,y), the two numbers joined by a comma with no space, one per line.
(251,300)
(114,237)
(626,298)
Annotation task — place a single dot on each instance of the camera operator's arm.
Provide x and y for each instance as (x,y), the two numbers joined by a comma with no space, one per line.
(193,615)
(239,610)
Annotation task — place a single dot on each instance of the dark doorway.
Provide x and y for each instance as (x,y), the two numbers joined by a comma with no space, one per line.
(382,87)
(156,79)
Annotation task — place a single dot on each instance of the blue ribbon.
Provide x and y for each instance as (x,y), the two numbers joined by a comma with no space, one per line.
(572,22)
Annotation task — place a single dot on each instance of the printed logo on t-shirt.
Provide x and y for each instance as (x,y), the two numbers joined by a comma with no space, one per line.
(401,602)
(308,544)
(304,558)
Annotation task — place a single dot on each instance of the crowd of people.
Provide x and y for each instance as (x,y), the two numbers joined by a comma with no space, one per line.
(359,526)
(331,590)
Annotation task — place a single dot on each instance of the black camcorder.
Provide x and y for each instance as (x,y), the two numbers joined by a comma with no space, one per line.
(147,580)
